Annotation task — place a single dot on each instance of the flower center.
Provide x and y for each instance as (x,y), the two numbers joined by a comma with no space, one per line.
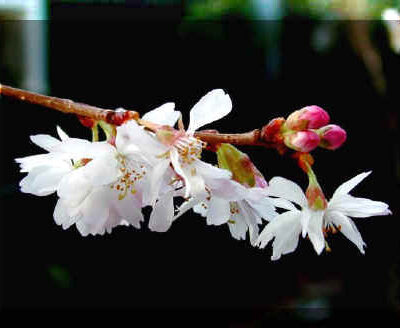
(130,174)
(189,149)
(330,228)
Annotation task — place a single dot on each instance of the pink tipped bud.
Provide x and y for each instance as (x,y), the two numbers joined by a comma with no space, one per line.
(310,117)
(303,141)
(332,136)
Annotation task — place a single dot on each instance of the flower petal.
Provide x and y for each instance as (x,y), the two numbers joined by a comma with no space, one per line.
(74,188)
(238,229)
(210,172)
(195,181)
(162,215)
(50,159)
(228,189)
(282,203)
(163,115)
(95,212)
(347,186)
(358,207)
(346,226)
(200,208)
(264,208)
(305,219)
(129,210)
(45,141)
(62,217)
(63,136)
(284,188)
(250,219)
(131,136)
(219,211)
(285,228)
(156,179)
(195,203)
(315,232)
(174,156)
(80,148)
(102,170)
(211,107)
(285,243)
(43,180)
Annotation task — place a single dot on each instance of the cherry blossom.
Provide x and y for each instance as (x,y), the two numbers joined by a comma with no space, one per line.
(287,227)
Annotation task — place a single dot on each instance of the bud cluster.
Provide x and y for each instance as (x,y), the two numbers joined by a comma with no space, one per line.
(307,128)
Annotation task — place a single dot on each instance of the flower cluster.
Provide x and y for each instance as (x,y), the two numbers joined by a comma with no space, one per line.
(148,162)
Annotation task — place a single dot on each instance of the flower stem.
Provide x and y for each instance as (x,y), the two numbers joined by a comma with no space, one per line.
(95,133)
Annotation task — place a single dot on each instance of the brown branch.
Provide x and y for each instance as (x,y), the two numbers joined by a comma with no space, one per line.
(256,137)
(252,138)
(66,105)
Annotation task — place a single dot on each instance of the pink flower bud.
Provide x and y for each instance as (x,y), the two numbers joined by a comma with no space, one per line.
(332,136)
(310,117)
(303,141)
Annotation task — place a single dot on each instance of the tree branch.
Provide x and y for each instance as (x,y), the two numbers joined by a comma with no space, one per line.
(253,138)
(65,105)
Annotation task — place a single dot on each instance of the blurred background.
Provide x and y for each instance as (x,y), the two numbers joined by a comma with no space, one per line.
(272,57)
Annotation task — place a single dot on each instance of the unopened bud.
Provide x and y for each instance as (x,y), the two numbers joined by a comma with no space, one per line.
(310,117)
(302,141)
(332,136)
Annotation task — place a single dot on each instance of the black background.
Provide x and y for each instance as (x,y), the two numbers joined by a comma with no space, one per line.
(140,58)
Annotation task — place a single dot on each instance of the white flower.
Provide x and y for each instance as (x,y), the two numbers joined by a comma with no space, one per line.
(99,185)
(45,170)
(229,202)
(82,173)
(184,151)
(104,193)
(342,205)
(287,227)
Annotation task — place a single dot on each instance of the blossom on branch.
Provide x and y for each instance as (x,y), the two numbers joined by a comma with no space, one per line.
(99,185)
(241,202)
(175,154)
(287,227)
(147,162)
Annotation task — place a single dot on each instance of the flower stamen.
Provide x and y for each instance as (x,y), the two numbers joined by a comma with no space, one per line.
(129,176)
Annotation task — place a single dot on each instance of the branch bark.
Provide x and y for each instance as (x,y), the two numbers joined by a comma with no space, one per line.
(64,105)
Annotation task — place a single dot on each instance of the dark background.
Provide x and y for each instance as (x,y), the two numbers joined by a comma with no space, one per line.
(139,58)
